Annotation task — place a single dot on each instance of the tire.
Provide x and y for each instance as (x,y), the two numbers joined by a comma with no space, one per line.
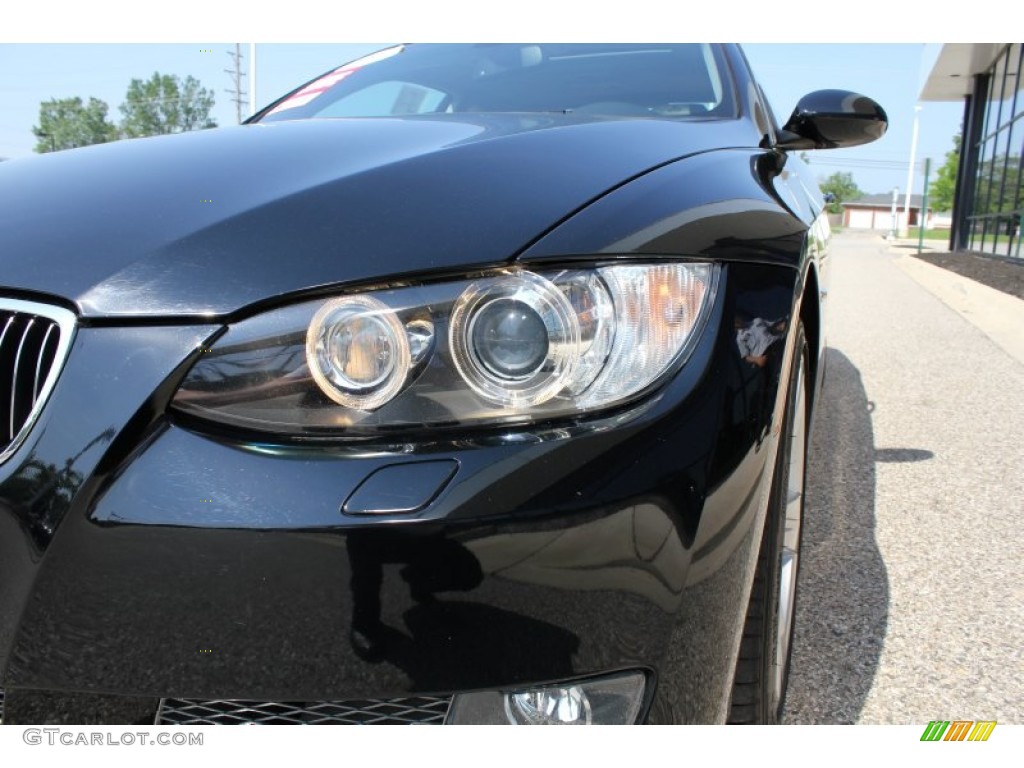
(762,668)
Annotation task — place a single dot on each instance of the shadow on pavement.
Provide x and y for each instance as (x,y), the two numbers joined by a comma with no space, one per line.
(843,601)
(901,455)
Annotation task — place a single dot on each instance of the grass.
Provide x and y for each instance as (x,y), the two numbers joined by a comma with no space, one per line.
(1001,240)
(929,234)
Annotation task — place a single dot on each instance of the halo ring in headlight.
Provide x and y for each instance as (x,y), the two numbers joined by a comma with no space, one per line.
(358,352)
(515,340)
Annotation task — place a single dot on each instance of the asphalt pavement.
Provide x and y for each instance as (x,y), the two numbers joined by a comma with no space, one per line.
(911,603)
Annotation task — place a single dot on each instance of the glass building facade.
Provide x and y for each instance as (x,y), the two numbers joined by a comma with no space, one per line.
(988,208)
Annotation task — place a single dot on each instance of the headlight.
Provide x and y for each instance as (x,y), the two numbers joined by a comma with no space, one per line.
(507,347)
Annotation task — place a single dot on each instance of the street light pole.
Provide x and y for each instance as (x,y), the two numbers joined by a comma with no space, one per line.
(923,218)
(892,223)
(910,173)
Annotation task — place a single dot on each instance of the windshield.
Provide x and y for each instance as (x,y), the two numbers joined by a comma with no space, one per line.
(626,80)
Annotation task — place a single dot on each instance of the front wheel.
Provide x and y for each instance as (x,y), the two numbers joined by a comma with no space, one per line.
(762,669)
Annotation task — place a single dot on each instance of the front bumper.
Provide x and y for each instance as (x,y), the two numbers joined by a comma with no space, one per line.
(140,559)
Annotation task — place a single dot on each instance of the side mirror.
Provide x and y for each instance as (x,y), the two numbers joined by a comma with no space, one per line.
(833,119)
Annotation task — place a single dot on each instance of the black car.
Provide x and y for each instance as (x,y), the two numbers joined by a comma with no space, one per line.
(464,384)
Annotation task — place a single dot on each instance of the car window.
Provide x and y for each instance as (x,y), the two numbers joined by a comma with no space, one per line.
(385,99)
(634,80)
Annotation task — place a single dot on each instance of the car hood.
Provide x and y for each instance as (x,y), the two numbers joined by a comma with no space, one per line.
(210,222)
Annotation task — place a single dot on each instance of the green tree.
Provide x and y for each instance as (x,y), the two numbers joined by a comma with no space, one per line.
(68,123)
(843,189)
(942,190)
(165,104)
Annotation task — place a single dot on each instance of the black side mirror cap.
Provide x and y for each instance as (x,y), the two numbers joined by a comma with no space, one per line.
(833,119)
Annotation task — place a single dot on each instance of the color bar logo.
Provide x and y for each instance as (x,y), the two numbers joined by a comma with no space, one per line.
(958,730)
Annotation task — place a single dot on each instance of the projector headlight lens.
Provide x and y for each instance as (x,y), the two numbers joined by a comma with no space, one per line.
(509,339)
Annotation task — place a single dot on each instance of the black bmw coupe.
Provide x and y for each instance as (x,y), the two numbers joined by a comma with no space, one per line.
(464,384)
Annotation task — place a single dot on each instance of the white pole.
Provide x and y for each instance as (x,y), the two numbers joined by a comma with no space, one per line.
(904,226)
(252,79)
(892,224)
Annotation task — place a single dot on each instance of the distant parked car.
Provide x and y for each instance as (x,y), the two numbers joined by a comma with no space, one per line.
(464,384)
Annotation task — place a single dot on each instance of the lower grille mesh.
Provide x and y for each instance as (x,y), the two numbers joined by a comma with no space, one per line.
(422,710)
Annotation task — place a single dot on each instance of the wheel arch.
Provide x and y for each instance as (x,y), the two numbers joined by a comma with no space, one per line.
(810,315)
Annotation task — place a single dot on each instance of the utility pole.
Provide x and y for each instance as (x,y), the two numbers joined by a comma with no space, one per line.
(240,96)
(252,79)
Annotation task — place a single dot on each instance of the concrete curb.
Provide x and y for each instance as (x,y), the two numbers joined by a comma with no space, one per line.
(906,245)
(996,314)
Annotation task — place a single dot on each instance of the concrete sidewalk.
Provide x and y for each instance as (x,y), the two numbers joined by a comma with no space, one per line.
(912,590)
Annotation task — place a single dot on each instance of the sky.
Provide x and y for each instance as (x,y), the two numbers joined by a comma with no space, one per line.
(35,67)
